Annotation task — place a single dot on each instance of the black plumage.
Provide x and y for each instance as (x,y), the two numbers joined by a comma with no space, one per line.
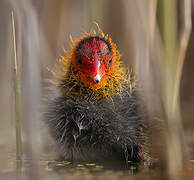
(98,131)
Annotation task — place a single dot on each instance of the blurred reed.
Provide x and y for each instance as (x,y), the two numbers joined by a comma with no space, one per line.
(31,82)
(172,120)
(17,97)
(174,53)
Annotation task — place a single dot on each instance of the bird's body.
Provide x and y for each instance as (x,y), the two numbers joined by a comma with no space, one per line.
(96,115)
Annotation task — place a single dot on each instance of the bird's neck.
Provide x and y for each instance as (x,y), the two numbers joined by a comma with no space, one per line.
(71,85)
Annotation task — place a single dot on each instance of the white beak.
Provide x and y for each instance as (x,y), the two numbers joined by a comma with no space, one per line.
(97,78)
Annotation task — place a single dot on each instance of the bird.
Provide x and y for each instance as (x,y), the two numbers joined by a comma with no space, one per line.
(95,115)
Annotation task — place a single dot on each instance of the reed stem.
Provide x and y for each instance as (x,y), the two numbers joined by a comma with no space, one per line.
(174,136)
(17,96)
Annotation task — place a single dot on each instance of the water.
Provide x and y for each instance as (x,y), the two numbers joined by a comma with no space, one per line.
(52,169)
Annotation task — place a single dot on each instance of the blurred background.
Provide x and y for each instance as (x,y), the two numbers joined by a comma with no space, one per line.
(43,29)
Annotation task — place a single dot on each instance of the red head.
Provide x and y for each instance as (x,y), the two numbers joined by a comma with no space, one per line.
(94,60)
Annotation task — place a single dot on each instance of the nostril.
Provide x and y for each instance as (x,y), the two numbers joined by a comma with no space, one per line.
(97,78)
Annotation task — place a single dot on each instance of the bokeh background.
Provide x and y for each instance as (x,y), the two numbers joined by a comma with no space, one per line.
(43,29)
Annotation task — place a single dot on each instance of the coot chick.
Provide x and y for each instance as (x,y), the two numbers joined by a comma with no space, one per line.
(96,114)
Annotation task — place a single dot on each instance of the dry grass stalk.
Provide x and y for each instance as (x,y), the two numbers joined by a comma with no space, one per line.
(183,43)
(31,88)
(174,62)
(17,96)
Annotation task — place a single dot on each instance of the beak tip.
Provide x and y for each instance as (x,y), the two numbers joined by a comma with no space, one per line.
(97,78)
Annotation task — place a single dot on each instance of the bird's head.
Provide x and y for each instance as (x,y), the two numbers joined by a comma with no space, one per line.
(92,68)
(94,59)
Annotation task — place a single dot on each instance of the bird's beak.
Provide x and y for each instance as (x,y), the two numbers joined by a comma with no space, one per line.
(96,75)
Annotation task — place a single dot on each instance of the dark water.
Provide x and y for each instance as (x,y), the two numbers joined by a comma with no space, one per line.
(68,170)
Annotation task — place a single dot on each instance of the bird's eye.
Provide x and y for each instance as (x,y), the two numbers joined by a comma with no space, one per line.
(110,61)
(79,60)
